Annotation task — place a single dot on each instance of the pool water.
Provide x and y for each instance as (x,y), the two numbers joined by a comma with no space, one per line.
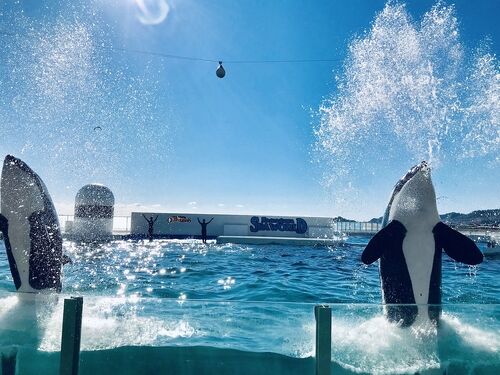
(187,269)
(167,304)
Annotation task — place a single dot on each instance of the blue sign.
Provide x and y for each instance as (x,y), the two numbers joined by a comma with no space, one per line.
(298,226)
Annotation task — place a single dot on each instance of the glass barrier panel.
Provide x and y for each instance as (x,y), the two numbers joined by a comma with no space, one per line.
(466,340)
(133,335)
(30,333)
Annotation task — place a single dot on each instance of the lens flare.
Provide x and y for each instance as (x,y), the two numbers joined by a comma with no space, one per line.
(152,12)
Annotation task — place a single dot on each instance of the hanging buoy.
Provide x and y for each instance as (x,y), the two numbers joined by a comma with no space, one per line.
(220,70)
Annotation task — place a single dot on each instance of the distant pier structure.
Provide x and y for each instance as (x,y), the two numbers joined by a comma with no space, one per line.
(229,228)
(94,210)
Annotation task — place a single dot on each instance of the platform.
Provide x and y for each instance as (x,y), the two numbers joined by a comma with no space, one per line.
(266,240)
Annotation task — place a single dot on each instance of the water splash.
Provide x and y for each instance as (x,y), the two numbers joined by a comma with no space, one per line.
(60,80)
(482,136)
(409,91)
(376,346)
(114,322)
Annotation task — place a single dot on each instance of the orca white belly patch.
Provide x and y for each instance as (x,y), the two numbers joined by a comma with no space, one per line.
(419,249)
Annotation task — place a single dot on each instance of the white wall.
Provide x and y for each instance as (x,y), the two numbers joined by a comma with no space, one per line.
(229,225)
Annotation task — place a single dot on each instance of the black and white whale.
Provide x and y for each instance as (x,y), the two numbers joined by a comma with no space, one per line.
(30,228)
(409,248)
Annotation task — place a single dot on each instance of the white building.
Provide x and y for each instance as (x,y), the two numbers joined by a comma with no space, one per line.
(94,208)
(183,225)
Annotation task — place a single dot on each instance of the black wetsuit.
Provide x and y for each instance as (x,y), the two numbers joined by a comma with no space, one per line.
(151,223)
(204,229)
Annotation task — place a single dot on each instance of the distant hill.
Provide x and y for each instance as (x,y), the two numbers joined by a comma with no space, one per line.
(343,219)
(479,217)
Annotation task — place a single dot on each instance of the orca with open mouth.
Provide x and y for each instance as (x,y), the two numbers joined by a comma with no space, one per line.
(30,228)
(409,248)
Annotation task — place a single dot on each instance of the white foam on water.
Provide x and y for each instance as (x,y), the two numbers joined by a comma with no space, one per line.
(23,317)
(7,303)
(359,344)
(376,346)
(110,322)
(488,341)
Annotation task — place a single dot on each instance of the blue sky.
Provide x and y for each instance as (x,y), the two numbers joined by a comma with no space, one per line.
(80,104)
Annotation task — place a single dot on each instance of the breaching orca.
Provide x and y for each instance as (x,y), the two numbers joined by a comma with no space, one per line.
(410,246)
(30,227)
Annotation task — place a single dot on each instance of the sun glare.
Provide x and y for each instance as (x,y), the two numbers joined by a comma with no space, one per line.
(151,12)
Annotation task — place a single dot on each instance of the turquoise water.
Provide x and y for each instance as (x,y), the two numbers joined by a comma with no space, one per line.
(187,269)
(245,309)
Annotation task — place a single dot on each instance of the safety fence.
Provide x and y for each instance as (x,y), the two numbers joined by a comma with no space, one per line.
(356,227)
(45,334)
(121,224)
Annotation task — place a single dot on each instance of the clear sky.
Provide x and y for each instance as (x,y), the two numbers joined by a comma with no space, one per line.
(81,102)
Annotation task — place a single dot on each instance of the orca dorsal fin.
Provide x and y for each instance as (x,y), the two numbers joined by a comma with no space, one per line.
(458,246)
(385,239)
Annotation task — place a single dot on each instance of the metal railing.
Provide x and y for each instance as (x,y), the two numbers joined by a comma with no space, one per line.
(356,227)
(121,224)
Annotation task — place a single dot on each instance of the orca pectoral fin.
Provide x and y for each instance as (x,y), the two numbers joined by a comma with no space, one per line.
(4,228)
(4,225)
(383,240)
(458,246)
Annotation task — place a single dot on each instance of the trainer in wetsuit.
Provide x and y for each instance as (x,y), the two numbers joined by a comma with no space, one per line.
(151,224)
(204,229)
